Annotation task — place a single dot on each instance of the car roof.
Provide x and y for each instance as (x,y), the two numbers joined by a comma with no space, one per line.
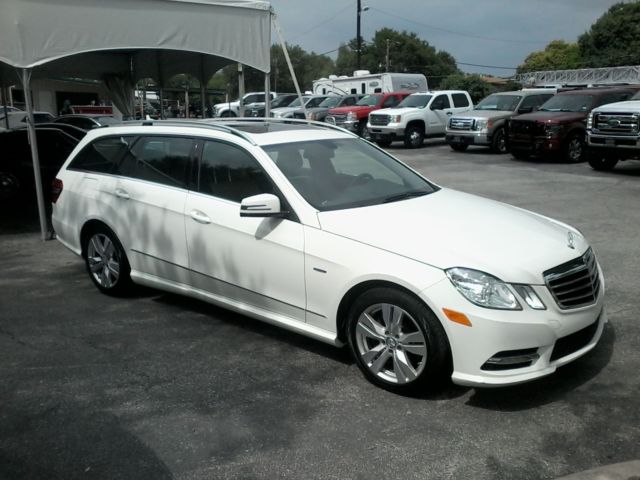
(596,91)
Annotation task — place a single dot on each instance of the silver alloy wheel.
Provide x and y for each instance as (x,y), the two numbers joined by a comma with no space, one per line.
(390,343)
(574,150)
(501,142)
(104,260)
(415,138)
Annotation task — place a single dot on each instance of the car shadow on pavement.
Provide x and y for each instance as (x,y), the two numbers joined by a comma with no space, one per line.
(553,387)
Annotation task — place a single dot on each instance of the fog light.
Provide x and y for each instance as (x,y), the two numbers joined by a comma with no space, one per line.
(510,359)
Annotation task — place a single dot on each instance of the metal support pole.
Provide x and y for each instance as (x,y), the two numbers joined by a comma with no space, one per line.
(241,88)
(4,105)
(26,87)
(203,86)
(160,84)
(289,64)
(267,95)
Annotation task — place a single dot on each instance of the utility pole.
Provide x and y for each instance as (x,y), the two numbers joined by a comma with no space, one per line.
(358,37)
(387,58)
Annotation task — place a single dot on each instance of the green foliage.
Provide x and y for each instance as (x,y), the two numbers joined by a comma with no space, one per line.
(406,53)
(557,55)
(614,39)
(474,84)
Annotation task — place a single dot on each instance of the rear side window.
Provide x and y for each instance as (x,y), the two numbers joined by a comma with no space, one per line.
(228,172)
(460,100)
(102,155)
(440,103)
(158,159)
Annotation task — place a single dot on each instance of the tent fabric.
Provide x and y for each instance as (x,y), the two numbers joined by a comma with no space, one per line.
(148,38)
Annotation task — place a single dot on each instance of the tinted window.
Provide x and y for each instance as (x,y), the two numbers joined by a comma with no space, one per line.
(440,103)
(101,155)
(163,160)
(535,101)
(228,172)
(614,97)
(460,100)
(390,102)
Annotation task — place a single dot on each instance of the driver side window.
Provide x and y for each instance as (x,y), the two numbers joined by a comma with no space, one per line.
(440,103)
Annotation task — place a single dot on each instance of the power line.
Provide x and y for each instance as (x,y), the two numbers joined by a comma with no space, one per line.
(453,32)
(321,23)
(486,66)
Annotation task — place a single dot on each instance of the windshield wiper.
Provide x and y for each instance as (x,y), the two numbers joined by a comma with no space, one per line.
(405,195)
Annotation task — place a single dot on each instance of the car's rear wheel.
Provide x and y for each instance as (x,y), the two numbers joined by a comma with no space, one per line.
(397,342)
(107,262)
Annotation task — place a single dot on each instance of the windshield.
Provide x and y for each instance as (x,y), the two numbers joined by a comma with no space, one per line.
(314,102)
(346,173)
(369,100)
(282,101)
(568,103)
(330,102)
(296,102)
(417,101)
(106,120)
(499,102)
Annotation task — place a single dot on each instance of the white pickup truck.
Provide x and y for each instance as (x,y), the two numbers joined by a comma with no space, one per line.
(232,109)
(420,115)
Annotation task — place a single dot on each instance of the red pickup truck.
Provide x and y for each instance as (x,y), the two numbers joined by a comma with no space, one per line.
(355,117)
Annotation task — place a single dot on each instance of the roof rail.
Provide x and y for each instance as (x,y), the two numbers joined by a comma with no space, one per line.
(314,123)
(190,123)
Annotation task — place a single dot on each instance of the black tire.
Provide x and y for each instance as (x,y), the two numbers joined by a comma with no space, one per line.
(362,130)
(106,261)
(459,147)
(227,114)
(413,136)
(499,141)
(383,143)
(520,154)
(391,348)
(9,185)
(574,148)
(601,163)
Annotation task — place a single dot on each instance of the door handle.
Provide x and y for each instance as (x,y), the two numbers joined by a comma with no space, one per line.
(120,193)
(199,217)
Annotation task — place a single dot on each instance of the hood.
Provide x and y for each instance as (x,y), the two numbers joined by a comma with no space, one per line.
(225,104)
(485,114)
(629,105)
(397,111)
(454,229)
(352,108)
(552,117)
(285,109)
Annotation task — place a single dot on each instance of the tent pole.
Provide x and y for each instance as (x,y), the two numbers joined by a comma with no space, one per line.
(241,88)
(267,94)
(203,103)
(160,84)
(289,64)
(4,105)
(26,80)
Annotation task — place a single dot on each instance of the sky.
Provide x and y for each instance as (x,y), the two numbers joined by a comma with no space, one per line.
(491,33)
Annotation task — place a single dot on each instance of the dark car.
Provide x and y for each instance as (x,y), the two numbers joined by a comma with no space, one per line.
(16,166)
(86,122)
(320,112)
(282,100)
(559,126)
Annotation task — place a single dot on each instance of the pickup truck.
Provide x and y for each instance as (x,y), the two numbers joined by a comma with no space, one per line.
(232,109)
(559,127)
(613,133)
(355,117)
(486,123)
(420,115)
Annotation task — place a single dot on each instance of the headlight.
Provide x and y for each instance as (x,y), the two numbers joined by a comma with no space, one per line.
(396,118)
(351,116)
(590,121)
(483,124)
(311,115)
(483,289)
(551,130)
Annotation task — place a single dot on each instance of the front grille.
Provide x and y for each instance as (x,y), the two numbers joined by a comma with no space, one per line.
(379,119)
(526,127)
(461,124)
(574,342)
(616,123)
(575,283)
(336,119)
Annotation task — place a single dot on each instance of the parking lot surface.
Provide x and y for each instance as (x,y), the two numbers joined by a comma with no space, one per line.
(158,386)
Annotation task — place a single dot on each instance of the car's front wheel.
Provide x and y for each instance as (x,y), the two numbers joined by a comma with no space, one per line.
(107,262)
(397,342)
(601,162)
(413,136)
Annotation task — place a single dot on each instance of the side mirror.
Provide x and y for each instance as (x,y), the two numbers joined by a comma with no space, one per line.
(262,205)
(525,110)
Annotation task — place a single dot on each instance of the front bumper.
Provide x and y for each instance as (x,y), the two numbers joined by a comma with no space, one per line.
(571,333)
(620,147)
(386,132)
(468,138)
(351,125)
(535,144)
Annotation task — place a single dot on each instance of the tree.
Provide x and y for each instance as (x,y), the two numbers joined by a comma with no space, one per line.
(474,84)
(394,51)
(557,55)
(614,39)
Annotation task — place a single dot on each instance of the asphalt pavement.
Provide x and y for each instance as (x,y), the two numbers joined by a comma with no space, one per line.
(157,386)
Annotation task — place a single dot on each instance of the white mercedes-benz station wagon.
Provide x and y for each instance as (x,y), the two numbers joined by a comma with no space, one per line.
(306,226)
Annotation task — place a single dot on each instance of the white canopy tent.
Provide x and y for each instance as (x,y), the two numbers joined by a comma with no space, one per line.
(122,41)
